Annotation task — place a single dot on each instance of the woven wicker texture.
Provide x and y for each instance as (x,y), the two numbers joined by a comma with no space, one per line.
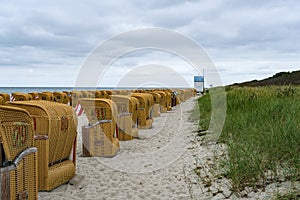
(163,101)
(179,95)
(2,101)
(125,104)
(19,172)
(124,125)
(157,102)
(68,93)
(23,180)
(149,103)
(127,108)
(22,97)
(55,120)
(156,97)
(156,110)
(75,95)
(135,109)
(61,97)
(101,94)
(116,92)
(169,99)
(16,131)
(5,96)
(87,94)
(48,96)
(96,143)
(61,173)
(124,92)
(15,93)
(145,114)
(109,92)
(186,94)
(146,101)
(98,109)
(43,163)
(34,95)
(57,123)
(103,111)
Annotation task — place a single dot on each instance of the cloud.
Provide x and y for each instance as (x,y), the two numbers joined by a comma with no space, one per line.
(246,40)
(152,76)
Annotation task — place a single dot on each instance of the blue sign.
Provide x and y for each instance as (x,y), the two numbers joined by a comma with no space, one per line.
(198,79)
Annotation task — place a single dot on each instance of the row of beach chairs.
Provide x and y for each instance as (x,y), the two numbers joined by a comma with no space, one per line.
(71,98)
(38,135)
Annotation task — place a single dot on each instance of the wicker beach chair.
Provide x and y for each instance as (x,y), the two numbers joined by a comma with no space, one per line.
(109,92)
(69,97)
(183,95)
(75,95)
(98,94)
(146,102)
(61,97)
(194,92)
(150,102)
(179,96)
(169,99)
(127,108)
(101,94)
(22,97)
(55,126)
(18,163)
(188,93)
(117,92)
(6,97)
(87,94)
(125,92)
(68,93)
(163,101)
(99,138)
(2,101)
(157,102)
(135,109)
(47,96)
(34,95)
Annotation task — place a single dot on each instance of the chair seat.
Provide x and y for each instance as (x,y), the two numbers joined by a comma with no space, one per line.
(60,173)
(96,143)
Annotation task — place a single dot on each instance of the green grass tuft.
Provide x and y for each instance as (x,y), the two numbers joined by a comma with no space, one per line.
(262,131)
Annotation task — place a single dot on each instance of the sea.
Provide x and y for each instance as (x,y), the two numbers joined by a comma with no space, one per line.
(9,90)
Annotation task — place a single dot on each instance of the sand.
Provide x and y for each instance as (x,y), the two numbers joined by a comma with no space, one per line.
(154,166)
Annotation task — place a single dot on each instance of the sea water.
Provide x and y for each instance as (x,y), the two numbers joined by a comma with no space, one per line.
(9,90)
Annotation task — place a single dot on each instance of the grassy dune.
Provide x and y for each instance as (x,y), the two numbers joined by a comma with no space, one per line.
(262,131)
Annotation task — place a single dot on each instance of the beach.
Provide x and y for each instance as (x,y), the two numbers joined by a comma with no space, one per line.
(168,161)
(154,166)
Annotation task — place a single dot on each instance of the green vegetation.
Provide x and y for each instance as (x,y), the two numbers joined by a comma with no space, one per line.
(281,78)
(288,196)
(262,131)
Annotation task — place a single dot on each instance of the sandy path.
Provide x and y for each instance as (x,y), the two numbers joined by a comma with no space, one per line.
(158,165)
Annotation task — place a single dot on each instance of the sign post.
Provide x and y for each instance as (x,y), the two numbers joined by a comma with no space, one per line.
(199,84)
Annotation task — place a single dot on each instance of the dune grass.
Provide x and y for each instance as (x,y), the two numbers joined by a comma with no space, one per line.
(262,131)
(288,196)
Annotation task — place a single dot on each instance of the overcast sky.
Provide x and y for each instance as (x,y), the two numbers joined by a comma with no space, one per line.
(46,43)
